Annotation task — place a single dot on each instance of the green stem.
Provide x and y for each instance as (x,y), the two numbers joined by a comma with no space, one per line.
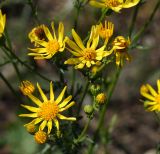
(102,114)
(4,63)
(14,64)
(78,6)
(34,11)
(134,17)
(100,20)
(83,131)
(10,56)
(82,98)
(8,84)
(141,31)
(157,117)
(73,79)
(27,66)
(102,16)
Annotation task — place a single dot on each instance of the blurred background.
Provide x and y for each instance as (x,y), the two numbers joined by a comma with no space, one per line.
(136,131)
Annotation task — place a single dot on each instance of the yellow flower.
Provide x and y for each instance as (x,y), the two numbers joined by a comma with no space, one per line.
(101,98)
(106,31)
(2,23)
(27,87)
(37,33)
(48,110)
(48,48)
(120,46)
(88,55)
(153,98)
(40,137)
(115,5)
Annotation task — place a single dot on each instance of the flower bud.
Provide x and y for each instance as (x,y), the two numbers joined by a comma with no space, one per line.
(30,128)
(88,109)
(27,87)
(40,137)
(94,89)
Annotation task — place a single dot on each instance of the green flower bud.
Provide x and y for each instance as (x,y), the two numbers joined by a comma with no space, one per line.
(88,109)
(94,89)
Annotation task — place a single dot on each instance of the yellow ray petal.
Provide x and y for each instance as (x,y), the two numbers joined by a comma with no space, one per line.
(60,32)
(43,125)
(64,103)
(48,33)
(41,42)
(42,93)
(57,126)
(152,91)
(31,115)
(72,45)
(54,32)
(130,3)
(74,52)
(79,66)
(77,39)
(49,125)
(97,4)
(35,99)
(72,61)
(37,120)
(158,86)
(150,103)
(39,50)
(65,118)
(51,92)
(58,100)
(30,108)
(148,96)
(95,42)
(66,107)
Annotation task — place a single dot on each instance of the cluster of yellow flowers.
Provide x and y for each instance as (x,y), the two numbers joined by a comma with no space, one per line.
(47,110)
(47,45)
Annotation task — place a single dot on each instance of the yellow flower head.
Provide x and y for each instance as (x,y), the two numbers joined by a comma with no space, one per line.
(48,110)
(37,33)
(101,98)
(40,137)
(49,47)
(88,55)
(153,98)
(115,5)
(120,46)
(106,31)
(27,87)
(2,23)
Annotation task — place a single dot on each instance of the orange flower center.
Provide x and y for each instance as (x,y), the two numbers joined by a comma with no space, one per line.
(112,3)
(52,46)
(89,54)
(157,99)
(48,111)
